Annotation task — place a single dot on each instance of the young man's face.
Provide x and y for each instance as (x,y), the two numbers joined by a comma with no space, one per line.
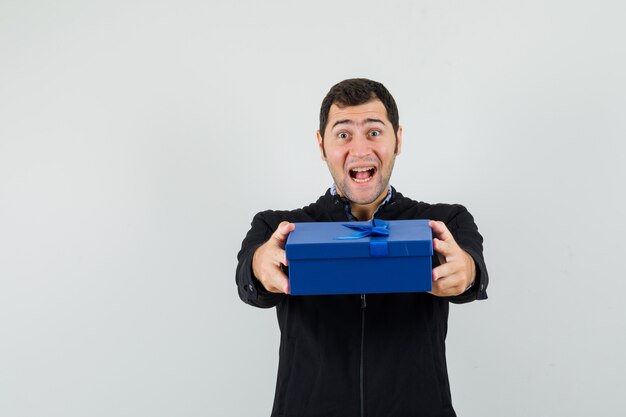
(359,142)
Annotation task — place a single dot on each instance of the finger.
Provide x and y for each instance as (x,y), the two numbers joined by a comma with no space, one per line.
(446,287)
(439,291)
(278,283)
(448,248)
(443,271)
(280,257)
(282,232)
(441,230)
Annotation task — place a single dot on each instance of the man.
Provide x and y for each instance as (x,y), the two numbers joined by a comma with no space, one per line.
(358,355)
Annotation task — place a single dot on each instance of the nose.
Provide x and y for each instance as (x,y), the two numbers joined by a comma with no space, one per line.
(360,146)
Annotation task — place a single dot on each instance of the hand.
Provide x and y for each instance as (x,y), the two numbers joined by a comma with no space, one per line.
(457,270)
(268,258)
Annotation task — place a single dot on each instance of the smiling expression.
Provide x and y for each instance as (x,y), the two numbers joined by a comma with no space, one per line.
(360,147)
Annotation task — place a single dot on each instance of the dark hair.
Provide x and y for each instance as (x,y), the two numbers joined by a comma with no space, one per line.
(357,91)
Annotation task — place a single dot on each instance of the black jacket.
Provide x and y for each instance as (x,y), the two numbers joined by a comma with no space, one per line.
(355,355)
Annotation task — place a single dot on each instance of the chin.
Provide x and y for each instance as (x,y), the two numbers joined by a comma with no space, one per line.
(364,196)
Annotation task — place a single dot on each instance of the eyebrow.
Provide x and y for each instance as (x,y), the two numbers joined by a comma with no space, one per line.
(350,122)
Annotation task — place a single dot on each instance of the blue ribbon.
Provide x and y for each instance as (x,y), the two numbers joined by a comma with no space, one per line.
(378,231)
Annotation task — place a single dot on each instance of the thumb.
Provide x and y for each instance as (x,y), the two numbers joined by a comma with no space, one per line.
(282,232)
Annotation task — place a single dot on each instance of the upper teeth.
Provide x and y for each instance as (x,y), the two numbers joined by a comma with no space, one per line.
(362,169)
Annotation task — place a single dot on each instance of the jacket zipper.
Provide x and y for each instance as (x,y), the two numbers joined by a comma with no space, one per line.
(363,305)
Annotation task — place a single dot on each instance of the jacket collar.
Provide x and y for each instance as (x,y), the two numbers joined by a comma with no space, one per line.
(340,208)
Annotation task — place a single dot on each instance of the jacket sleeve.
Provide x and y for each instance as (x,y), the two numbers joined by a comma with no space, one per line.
(250,289)
(465,232)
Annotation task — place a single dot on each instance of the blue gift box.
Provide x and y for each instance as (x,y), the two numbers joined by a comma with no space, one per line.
(360,257)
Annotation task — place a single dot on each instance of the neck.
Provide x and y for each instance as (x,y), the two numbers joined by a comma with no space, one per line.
(366,211)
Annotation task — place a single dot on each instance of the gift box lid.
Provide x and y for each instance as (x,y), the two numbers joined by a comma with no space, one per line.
(332,240)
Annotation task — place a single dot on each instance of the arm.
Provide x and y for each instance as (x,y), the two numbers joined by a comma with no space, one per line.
(462,274)
(259,277)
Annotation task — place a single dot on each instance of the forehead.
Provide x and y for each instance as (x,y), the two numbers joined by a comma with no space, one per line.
(373,109)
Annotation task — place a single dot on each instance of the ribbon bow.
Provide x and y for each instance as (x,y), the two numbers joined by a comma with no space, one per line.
(378,230)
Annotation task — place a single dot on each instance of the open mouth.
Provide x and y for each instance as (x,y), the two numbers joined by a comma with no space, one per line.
(362,174)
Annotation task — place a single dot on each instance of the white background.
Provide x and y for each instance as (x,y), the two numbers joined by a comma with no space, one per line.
(138,139)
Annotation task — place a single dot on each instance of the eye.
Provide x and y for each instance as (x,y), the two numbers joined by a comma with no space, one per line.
(375,133)
(343,135)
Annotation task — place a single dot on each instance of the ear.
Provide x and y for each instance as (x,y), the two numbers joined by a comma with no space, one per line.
(399,141)
(320,143)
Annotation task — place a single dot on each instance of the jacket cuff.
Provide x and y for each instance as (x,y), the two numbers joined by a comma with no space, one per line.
(251,291)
